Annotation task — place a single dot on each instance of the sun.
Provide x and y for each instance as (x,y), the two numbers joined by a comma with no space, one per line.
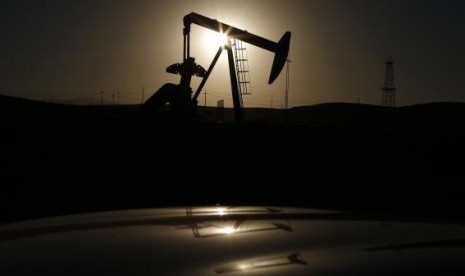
(212,40)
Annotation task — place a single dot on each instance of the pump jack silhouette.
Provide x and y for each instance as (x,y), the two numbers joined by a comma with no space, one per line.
(180,96)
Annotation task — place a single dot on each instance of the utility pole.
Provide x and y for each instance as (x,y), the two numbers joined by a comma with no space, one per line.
(286,96)
(101,97)
(286,99)
(117,99)
(205,93)
(113,98)
(143,92)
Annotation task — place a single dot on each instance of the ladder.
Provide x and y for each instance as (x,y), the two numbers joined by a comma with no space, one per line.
(242,68)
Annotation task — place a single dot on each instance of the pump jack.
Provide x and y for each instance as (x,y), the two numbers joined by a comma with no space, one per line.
(180,96)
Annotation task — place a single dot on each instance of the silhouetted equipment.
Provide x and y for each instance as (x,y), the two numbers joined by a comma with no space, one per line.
(242,69)
(182,92)
(220,110)
(389,89)
(178,98)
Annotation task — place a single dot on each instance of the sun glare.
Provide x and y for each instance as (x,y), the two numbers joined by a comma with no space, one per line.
(227,230)
(213,40)
(221,211)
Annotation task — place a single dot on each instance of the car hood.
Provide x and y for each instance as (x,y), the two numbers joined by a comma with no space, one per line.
(222,240)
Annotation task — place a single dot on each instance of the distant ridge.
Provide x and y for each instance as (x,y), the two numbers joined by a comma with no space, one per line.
(79,101)
(4,99)
(364,115)
(346,115)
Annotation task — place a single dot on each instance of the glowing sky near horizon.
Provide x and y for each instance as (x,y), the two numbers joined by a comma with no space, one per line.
(68,50)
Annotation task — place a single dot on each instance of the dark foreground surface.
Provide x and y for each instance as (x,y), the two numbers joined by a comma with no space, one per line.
(221,240)
(60,160)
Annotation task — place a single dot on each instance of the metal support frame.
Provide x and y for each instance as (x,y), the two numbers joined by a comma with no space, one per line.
(238,116)
(188,68)
(234,86)
(210,69)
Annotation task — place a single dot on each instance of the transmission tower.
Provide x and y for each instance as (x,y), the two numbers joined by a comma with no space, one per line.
(389,89)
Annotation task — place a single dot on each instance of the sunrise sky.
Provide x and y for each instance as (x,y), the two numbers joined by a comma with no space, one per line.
(69,50)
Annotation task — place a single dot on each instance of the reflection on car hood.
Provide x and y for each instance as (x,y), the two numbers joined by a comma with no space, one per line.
(223,240)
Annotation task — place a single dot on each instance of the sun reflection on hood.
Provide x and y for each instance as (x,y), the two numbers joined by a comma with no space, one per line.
(262,263)
(230,226)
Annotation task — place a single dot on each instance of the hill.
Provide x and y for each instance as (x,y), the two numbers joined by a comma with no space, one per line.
(87,158)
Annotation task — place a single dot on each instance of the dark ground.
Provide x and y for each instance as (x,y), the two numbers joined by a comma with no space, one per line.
(58,159)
